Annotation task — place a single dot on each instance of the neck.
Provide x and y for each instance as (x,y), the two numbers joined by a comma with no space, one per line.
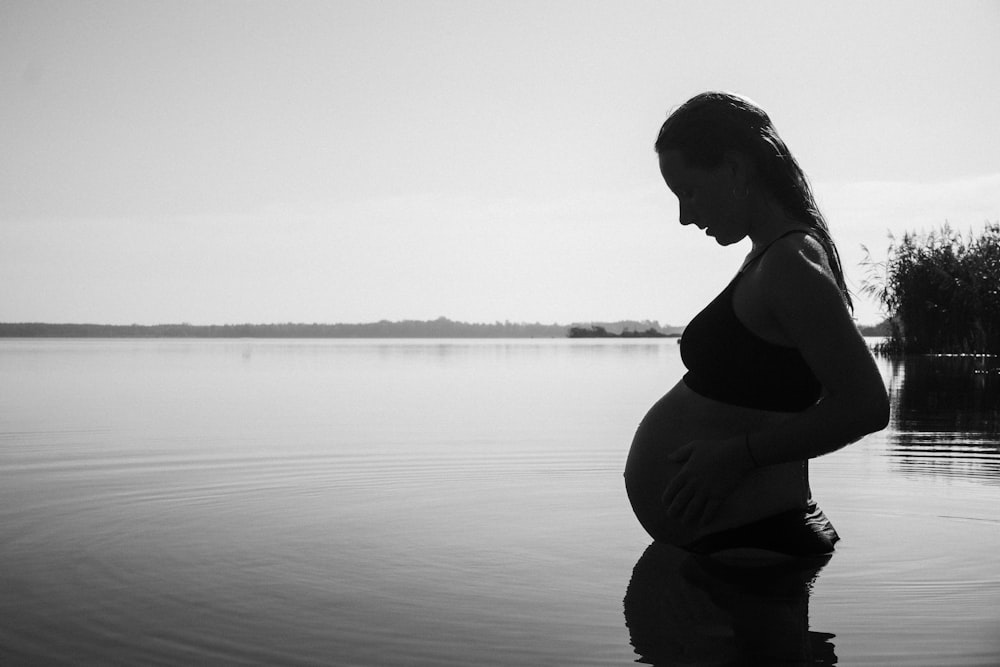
(768,221)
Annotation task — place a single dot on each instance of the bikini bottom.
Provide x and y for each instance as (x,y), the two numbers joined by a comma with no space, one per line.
(798,533)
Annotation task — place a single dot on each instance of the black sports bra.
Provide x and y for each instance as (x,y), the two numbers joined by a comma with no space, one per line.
(729,363)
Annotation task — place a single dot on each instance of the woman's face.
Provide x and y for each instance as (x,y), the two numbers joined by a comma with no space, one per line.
(706,197)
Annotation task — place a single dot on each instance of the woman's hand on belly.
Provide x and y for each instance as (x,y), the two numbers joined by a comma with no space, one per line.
(682,421)
(710,471)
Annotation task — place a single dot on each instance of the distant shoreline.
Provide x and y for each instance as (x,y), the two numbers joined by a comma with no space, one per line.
(439,328)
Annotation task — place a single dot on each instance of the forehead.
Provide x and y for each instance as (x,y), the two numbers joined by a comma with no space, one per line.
(675,170)
(671,161)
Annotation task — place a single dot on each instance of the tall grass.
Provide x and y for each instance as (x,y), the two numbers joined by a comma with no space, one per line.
(941,291)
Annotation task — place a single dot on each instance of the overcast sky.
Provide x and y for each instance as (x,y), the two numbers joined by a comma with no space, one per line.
(225,162)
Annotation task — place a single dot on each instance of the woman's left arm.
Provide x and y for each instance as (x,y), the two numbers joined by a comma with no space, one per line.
(806,303)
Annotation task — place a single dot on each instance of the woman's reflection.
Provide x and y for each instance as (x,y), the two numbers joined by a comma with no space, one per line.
(688,609)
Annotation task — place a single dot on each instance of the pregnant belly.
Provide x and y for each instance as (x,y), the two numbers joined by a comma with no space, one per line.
(675,420)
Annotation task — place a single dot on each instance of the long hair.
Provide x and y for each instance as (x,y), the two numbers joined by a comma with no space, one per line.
(706,126)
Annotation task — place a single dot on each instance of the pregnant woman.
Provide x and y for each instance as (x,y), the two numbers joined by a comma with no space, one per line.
(777,372)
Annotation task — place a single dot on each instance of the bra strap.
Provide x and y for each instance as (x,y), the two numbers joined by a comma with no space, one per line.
(761,253)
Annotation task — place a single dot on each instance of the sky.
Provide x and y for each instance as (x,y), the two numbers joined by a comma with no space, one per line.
(261,161)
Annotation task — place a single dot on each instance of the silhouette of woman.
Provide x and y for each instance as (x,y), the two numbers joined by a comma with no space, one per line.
(777,371)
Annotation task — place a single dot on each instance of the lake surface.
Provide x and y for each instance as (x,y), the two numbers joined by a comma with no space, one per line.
(358,502)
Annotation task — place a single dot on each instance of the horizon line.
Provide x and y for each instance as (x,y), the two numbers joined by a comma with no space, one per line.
(442,318)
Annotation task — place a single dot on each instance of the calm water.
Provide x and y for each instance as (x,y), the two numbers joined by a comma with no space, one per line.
(453,503)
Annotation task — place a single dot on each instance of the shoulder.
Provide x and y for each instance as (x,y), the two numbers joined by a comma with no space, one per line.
(795,275)
(794,254)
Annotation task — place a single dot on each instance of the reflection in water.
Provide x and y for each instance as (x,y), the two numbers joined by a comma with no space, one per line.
(946,416)
(686,609)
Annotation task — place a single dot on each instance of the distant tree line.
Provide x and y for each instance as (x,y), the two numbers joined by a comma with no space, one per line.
(439,328)
(941,290)
(597,331)
(880,329)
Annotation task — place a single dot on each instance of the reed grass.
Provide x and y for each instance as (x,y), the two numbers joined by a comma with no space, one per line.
(940,290)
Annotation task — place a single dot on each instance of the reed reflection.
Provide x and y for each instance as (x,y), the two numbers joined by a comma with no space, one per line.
(687,609)
(946,416)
